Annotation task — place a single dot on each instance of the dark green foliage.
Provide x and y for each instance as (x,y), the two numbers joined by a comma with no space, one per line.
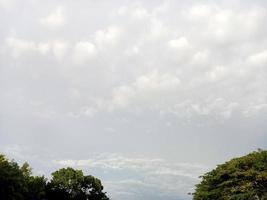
(72,184)
(12,183)
(36,188)
(17,183)
(92,189)
(36,185)
(242,178)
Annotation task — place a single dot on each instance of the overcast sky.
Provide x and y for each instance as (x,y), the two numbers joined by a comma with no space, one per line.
(146,95)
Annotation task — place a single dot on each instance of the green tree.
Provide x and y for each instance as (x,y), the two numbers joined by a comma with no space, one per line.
(243,178)
(93,189)
(26,170)
(36,188)
(36,185)
(68,183)
(18,183)
(12,183)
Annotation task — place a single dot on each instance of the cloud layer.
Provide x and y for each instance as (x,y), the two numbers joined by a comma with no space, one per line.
(174,180)
(175,80)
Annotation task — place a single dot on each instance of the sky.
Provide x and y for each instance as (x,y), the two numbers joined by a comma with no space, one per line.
(145,95)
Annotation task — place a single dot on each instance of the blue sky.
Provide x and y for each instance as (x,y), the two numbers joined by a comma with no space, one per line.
(146,95)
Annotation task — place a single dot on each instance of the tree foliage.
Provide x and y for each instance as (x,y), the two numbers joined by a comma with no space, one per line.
(243,178)
(68,183)
(12,183)
(18,183)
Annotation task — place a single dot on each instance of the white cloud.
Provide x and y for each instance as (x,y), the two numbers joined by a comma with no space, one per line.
(151,165)
(218,24)
(149,171)
(122,94)
(259,58)
(157,81)
(122,10)
(200,58)
(144,88)
(140,13)
(43,48)
(20,46)
(59,49)
(54,19)
(88,111)
(133,50)
(215,108)
(201,11)
(255,108)
(108,36)
(136,12)
(180,43)
(84,51)
(217,73)
(158,29)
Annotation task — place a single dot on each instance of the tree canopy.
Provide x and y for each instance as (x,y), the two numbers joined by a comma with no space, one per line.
(18,183)
(68,183)
(12,182)
(243,178)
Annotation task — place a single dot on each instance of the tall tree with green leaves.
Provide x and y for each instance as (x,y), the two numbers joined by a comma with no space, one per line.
(36,185)
(243,178)
(68,183)
(12,183)
(18,183)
